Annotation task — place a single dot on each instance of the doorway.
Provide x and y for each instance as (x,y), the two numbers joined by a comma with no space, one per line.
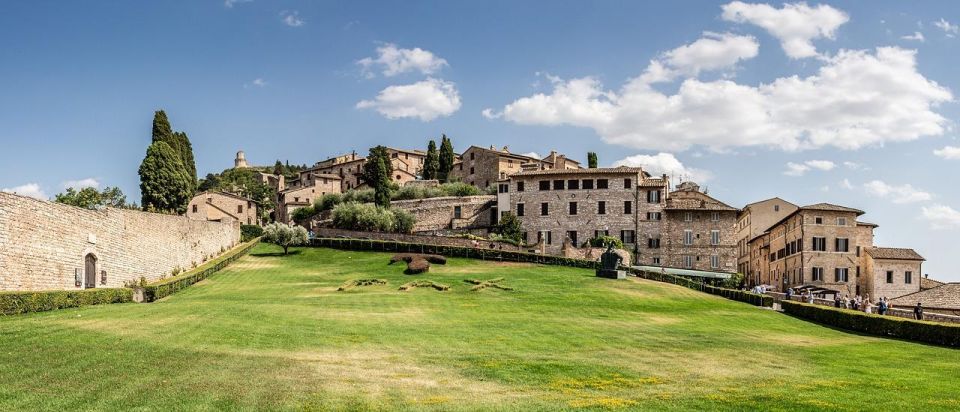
(90,271)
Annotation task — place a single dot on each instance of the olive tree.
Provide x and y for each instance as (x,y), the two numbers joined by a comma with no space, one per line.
(284,235)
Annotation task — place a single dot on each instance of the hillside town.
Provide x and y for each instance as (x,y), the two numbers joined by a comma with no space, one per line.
(565,208)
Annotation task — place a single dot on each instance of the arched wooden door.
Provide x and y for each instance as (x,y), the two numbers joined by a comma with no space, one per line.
(90,271)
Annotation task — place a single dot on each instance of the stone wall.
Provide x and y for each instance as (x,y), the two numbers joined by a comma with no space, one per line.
(701,251)
(440,213)
(44,244)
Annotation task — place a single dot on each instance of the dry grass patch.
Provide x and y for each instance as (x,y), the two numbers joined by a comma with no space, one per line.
(423,283)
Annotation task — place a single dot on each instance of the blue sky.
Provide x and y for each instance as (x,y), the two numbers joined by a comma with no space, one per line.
(839,102)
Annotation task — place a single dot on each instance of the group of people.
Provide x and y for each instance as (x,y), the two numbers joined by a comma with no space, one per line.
(861,303)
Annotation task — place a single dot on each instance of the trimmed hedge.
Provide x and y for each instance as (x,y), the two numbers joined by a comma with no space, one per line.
(250,232)
(732,294)
(161,289)
(14,303)
(511,256)
(887,326)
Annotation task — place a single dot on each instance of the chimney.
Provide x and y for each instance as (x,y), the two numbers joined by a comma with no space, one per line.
(506,149)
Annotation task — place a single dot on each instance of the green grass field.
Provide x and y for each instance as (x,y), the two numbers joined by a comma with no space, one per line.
(272,332)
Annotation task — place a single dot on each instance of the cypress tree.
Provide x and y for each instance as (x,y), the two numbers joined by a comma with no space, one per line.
(446,159)
(376,173)
(164,183)
(186,156)
(431,165)
(591,160)
(278,168)
(161,127)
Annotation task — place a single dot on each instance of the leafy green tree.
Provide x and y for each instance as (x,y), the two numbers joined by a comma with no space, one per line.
(376,173)
(278,168)
(186,156)
(510,227)
(591,160)
(162,132)
(211,182)
(284,235)
(446,159)
(178,141)
(431,166)
(164,183)
(90,198)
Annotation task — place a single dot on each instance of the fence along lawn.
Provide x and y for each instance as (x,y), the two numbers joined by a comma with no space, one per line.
(271,332)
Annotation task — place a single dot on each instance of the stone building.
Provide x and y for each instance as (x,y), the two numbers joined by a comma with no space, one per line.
(223,206)
(943,299)
(698,231)
(407,166)
(441,215)
(240,162)
(52,246)
(304,191)
(754,219)
(825,247)
(574,205)
(482,167)
(651,200)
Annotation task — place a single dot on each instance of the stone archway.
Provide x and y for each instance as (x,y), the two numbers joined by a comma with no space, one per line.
(90,271)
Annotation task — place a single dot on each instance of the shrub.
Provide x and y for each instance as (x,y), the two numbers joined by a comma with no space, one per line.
(359,196)
(284,235)
(328,201)
(304,214)
(371,218)
(459,189)
(603,241)
(423,283)
(417,265)
(13,303)
(509,227)
(167,287)
(928,332)
(404,221)
(249,232)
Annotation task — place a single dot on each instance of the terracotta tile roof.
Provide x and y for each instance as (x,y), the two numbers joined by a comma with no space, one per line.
(601,170)
(867,224)
(927,283)
(894,253)
(222,193)
(653,182)
(832,208)
(946,296)
(690,200)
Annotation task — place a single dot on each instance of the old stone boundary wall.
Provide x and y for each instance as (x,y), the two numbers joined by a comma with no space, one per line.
(438,213)
(324,232)
(43,244)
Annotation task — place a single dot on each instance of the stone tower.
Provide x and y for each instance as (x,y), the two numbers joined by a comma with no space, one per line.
(240,162)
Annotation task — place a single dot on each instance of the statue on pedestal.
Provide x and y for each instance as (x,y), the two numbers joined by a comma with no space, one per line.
(609,264)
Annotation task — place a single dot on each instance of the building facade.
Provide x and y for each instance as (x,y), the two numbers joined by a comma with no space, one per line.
(222,206)
(698,231)
(483,167)
(754,219)
(304,191)
(407,167)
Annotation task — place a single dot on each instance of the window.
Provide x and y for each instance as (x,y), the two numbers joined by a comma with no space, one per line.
(544,209)
(817,274)
(588,183)
(889,276)
(519,186)
(573,184)
(573,208)
(558,185)
(239,208)
(687,237)
(653,196)
(472,155)
(471,171)
(656,261)
(194,208)
(519,209)
(653,243)
(654,216)
(715,216)
(549,236)
(457,212)
(776,208)
(908,277)
(627,183)
(714,237)
(544,185)
(819,244)
(572,235)
(841,274)
(601,207)
(628,236)
(842,244)
(841,221)
(601,233)
(688,261)
(627,207)
(602,183)
(526,237)
(818,220)
(714,262)
(688,217)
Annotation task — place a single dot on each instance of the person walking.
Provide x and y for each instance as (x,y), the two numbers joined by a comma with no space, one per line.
(882,307)
(918,311)
(810,298)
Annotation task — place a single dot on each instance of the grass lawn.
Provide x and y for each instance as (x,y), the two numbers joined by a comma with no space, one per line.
(272,332)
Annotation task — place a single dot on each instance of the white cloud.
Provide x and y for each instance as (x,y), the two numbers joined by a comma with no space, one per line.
(258,82)
(395,61)
(488,113)
(292,18)
(941,216)
(950,29)
(712,52)
(916,36)
(532,154)
(845,183)
(855,166)
(82,183)
(824,165)
(898,194)
(30,189)
(230,3)
(665,163)
(856,99)
(425,100)
(796,25)
(799,169)
(948,152)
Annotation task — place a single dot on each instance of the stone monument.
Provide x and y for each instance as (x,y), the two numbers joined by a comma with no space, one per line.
(609,264)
